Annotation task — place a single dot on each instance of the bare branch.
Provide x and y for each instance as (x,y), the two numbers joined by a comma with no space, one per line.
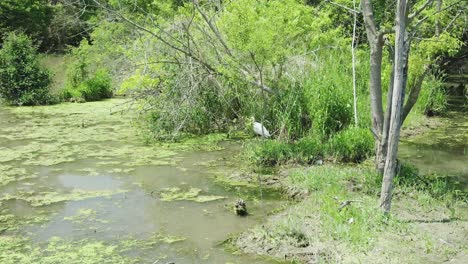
(422,8)
(414,94)
(369,19)
(344,7)
(212,27)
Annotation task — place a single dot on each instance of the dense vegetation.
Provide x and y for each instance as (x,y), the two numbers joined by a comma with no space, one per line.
(199,67)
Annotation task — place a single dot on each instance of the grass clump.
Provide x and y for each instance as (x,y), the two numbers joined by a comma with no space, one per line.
(351,145)
(433,97)
(271,153)
(308,149)
(429,190)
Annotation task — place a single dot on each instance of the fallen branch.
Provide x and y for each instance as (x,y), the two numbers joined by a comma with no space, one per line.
(346,203)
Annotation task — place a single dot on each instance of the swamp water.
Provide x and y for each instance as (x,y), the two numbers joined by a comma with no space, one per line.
(442,151)
(78,186)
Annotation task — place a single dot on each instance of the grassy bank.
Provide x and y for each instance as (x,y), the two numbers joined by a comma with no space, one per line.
(339,221)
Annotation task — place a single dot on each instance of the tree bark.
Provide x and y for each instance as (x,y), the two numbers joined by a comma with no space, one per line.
(397,102)
(375,39)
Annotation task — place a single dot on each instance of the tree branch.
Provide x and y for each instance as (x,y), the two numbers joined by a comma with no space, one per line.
(212,27)
(414,28)
(414,94)
(417,12)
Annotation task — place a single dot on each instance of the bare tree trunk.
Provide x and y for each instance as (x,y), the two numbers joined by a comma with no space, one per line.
(386,125)
(400,63)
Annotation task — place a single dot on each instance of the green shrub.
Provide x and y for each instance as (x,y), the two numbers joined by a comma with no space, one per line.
(351,145)
(85,80)
(22,80)
(98,87)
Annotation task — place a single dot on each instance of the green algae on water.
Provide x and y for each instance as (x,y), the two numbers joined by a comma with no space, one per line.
(84,214)
(37,199)
(10,174)
(192,194)
(51,135)
(15,250)
(10,222)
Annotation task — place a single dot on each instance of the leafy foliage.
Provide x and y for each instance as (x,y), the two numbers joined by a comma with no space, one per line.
(30,16)
(23,81)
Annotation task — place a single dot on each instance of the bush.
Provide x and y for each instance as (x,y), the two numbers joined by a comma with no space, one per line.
(351,145)
(22,80)
(98,87)
(95,88)
(87,80)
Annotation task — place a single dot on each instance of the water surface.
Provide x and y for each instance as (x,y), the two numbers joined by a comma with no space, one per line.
(77,174)
(442,151)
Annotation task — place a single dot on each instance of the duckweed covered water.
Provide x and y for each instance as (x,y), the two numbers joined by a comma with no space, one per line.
(443,151)
(78,184)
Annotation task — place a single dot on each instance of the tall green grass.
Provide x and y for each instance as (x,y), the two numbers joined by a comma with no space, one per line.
(350,145)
